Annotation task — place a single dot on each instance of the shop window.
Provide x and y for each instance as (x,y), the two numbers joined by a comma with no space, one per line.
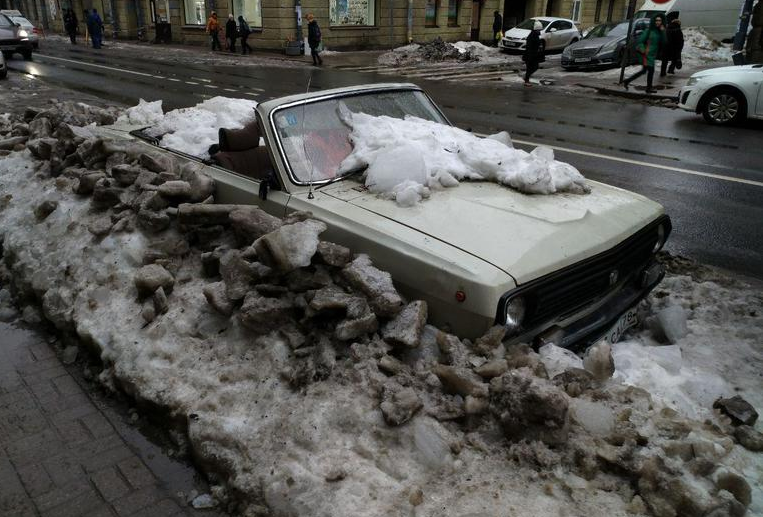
(576,10)
(452,13)
(352,12)
(195,12)
(251,10)
(430,14)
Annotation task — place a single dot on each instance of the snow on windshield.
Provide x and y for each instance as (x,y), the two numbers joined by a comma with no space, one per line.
(407,159)
(191,130)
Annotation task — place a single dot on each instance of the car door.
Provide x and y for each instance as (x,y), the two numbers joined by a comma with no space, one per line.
(759,82)
(552,35)
(566,33)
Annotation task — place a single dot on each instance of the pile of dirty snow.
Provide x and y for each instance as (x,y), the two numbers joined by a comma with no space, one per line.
(190,130)
(437,50)
(700,48)
(407,159)
(308,385)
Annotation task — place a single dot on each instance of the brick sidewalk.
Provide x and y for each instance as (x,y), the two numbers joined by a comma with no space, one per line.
(60,455)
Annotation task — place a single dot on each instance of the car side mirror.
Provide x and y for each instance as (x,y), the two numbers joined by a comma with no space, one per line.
(552,29)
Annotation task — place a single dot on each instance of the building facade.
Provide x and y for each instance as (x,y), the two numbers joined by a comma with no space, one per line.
(345,24)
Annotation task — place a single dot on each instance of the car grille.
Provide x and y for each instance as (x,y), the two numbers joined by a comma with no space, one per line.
(9,42)
(584,52)
(564,292)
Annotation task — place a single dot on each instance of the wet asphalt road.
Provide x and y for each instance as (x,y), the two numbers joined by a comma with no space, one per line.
(709,179)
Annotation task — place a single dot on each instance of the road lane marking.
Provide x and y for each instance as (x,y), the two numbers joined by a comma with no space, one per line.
(94,65)
(191,82)
(640,163)
(230,89)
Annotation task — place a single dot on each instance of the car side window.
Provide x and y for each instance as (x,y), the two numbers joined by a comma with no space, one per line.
(5,22)
(563,26)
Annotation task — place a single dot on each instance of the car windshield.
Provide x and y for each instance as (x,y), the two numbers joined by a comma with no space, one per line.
(315,137)
(21,21)
(608,29)
(5,21)
(528,24)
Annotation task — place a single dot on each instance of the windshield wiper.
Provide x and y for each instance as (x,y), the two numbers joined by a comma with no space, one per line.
(352,172)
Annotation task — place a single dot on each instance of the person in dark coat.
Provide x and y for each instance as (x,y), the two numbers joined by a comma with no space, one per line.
(674,47)
(244,31)
(95,28)
(70,25)
(651,45)
(230,33)
(314,39)
(497,27)
(533,54)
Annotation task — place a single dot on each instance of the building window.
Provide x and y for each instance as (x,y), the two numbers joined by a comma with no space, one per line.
(576,10)
(251,10)
(352,12)
(452,13)
(430,14)
(195,12)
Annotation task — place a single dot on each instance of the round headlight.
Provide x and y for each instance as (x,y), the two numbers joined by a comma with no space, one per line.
(515,314)
(660,239)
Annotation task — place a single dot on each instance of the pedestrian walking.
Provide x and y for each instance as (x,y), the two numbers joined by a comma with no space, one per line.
(213,29)
(244,31)
(533,54)
(95,27)
(497,27)
(71,25)
(650,45)
(314,39)
(675,45)
(230,33)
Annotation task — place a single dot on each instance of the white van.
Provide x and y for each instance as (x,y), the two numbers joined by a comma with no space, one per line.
(719,18)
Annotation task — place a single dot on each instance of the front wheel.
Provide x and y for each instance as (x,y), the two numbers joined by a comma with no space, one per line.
(724,107)
(4,73)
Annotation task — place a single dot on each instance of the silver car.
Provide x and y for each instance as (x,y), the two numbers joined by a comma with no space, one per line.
(556,34)
(32,32)
(603,46)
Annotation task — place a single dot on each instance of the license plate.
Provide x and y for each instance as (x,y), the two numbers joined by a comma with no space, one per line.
(582,59)
(626,321)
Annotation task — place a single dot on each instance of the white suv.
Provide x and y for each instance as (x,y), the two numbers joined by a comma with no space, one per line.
(556,34)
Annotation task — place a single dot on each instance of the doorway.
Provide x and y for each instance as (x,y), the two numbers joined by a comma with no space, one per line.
(553,8)
(513,13)
(476,15)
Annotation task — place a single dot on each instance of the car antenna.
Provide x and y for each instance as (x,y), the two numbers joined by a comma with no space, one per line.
(304,145)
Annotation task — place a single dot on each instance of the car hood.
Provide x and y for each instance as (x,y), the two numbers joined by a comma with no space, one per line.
(517,33)
(526,236)
(593,42)
(730,70)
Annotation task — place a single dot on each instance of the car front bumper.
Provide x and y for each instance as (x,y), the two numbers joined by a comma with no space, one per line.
(607,59)
(22,45)
(689,97)
(513,45)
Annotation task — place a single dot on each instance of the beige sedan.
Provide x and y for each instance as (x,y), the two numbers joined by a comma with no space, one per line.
(561,268)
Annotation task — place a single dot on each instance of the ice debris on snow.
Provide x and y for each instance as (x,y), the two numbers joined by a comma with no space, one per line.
(407,159)
(143,114)
(193,130)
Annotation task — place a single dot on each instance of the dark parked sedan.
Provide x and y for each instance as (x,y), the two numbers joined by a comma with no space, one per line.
(603,46)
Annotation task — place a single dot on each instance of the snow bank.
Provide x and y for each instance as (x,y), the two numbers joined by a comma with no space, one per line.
(407,159)
(700,48)
(143,114)
(193,130)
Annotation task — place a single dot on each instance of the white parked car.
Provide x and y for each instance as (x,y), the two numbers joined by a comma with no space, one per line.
(33,33)
(562,268)
(725,95)
(557,33)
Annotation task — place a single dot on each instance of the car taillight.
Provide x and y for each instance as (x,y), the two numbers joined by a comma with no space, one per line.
(35,30)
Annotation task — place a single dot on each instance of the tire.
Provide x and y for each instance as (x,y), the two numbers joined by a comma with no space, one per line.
(27,55)
(4,74)
(724,106)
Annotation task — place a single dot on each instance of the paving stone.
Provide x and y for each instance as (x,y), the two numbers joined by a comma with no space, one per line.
(65,403)
(41,351)
(73,413)
(88,499)
(101,511)
(137,500)
(97,424)
(59,496)
(21,399)
(165,508)
(34,366)
(44,391)
(109,483)
(64,469)
(73,433)
(10,381)
(136,472)
(66,385)
(34,448)
(44,373)
(108,457)
(35,479)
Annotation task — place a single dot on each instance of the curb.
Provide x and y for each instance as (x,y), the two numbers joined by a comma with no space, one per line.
(604,90)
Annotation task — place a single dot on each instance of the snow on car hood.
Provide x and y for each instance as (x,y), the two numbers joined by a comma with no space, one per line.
(517,33)
(729,70)
(526,236)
